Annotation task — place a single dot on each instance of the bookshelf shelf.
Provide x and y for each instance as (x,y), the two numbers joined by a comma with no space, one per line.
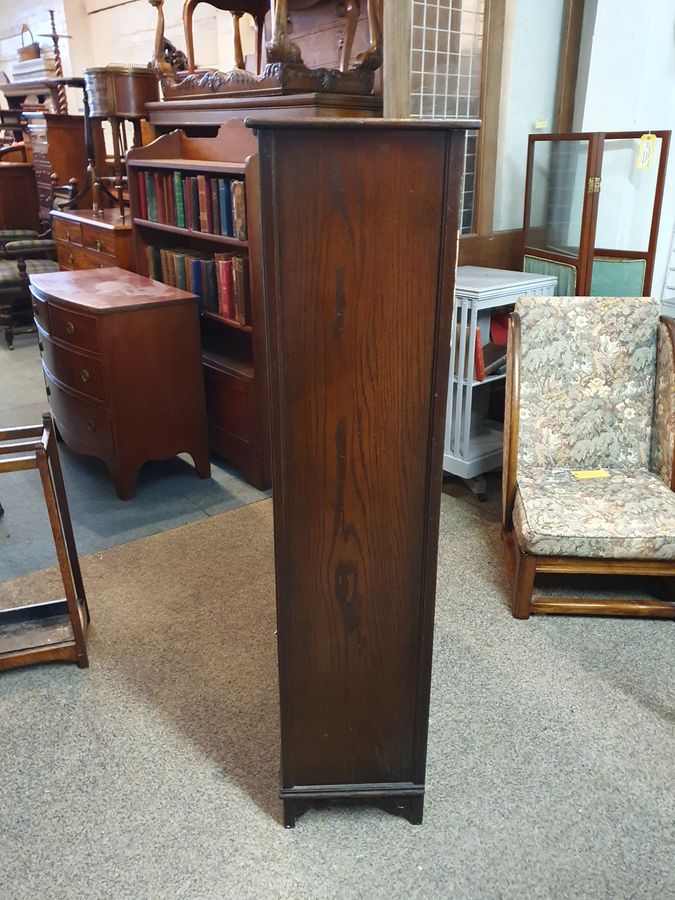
(232,323)
(189,232)
(192,165)
(233,354)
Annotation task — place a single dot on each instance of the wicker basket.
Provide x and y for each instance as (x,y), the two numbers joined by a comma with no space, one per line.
(28,51)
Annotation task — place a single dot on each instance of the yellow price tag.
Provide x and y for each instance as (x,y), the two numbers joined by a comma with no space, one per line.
(590,473)
(645,156)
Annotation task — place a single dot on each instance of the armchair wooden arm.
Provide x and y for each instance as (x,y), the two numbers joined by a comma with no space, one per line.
(511,422)
(670,326)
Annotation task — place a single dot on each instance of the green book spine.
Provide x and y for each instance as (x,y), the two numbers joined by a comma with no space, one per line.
(179,263)
(150,194)
(180,199)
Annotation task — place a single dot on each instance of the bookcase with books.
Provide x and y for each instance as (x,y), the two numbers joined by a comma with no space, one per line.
(196,222)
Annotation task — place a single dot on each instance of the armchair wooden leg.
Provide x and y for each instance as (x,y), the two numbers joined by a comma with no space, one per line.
(523,584)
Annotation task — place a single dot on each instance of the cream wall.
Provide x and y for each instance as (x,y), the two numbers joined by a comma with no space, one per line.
(124,32)
(628,84)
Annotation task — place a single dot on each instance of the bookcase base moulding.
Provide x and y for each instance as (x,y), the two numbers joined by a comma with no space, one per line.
(357,275)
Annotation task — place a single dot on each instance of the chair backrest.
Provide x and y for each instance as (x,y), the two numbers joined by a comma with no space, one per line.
(587,374)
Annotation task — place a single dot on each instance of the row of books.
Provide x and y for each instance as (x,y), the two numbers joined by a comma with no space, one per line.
(214,204)
(220,280)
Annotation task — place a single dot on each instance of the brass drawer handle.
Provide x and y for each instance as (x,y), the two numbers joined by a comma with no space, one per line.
(67,235)
(70,328)
(85,376)
(71,259)
(91,425)
(99,246)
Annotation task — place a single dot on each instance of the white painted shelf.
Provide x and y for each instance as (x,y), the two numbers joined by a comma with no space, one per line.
(473,441)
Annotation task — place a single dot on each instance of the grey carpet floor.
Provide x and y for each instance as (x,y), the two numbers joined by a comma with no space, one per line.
(169,493)
(154,774)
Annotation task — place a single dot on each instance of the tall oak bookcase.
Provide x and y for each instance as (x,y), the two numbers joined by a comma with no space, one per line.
(360,226)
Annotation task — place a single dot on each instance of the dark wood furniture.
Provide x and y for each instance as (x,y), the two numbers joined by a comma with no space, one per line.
(55,629)
(88,241)
(359,224)
(18,196)
(233,355)
(58,147)
(122,367)
(204,117)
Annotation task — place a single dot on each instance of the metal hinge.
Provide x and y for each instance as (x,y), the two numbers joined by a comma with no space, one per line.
(594,184)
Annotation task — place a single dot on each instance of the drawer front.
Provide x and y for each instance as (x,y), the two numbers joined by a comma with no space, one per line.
(41,313)
(71,257)
(99,240)
(82,373)
(86,426)
(43,171)
(68,232)
(74,328)
(229,402)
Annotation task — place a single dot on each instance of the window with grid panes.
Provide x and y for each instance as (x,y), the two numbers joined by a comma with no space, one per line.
(445,73)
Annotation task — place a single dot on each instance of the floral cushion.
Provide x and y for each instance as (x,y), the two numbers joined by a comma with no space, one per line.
(663,431)
(587,381)
(629,515)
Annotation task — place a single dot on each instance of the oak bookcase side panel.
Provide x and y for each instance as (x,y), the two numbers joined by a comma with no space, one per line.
(357,353)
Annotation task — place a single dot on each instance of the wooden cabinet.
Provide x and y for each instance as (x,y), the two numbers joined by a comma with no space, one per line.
(18,196)
(233,351)
(360,224)
(58,147)
(86,241)
(122,366)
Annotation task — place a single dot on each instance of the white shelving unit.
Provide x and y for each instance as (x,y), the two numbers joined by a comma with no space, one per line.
(473,441)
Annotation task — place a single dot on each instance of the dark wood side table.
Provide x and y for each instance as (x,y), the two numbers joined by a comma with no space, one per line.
(122,364)
(360,223)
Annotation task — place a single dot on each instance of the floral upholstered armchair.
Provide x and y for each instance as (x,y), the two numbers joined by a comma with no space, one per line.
(589,469)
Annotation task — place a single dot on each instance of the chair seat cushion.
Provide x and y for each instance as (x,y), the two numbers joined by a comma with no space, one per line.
(628,515)
(9,271)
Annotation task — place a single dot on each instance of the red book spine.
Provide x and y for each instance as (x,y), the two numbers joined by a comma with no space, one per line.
(170,199)
(142,198)
(159,198)
(478,361)
(225,288)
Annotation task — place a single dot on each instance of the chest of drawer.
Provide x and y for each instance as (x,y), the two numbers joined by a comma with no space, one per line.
(83,374)
(74,328)
(69,232)
(86,426)
(99,240)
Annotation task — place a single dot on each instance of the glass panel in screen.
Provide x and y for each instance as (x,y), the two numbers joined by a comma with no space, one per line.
(557,196)
(626,201)
(445,73)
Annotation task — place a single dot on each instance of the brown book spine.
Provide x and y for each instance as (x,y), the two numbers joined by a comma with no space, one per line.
(204,203)
(239,209)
